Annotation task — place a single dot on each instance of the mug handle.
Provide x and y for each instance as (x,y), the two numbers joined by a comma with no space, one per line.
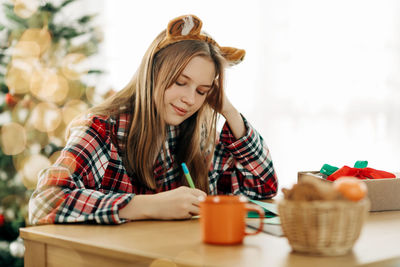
(260,211)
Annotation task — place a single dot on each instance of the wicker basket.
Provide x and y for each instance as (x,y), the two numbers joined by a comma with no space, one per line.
(328,228)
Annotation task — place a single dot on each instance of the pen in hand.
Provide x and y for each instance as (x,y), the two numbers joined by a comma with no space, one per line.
(187,175)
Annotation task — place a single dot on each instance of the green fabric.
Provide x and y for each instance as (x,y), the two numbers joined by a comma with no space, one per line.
(361,164)
(328,169)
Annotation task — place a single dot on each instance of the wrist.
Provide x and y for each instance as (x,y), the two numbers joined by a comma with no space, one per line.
(139,208)
(235,122)
(229,112)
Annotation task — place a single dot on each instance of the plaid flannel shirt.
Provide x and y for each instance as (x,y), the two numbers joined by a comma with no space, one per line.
(89,183)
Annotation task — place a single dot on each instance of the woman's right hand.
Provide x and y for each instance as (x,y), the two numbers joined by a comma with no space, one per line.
(180,203)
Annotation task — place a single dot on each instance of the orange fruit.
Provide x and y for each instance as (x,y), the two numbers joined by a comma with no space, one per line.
(351,188)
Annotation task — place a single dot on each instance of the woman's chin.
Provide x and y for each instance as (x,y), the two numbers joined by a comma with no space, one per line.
(173,121)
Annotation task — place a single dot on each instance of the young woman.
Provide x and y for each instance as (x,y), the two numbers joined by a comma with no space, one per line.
(123,159)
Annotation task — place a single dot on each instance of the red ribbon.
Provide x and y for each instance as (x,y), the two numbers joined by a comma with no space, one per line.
(361,173)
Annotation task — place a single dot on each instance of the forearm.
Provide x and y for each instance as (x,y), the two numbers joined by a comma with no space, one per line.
(178,203)
(235,121)
(139,208)
(53,204)
(251,171)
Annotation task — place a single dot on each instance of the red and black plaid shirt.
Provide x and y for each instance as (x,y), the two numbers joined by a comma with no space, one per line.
(89,182)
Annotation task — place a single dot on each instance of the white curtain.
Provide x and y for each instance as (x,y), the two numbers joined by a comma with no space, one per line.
(320,81)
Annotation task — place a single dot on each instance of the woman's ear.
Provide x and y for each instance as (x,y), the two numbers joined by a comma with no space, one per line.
(188,25)
(233,55)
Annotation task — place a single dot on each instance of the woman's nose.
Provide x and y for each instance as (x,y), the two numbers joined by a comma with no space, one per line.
(189,96)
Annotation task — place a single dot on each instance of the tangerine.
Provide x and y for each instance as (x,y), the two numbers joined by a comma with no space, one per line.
(351,188)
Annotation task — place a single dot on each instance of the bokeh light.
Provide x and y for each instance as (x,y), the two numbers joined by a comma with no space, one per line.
(72,109)
(19,159)
(59,85)
(21,110)
(26,49)
(54,157)
(19,73)
(25,8)
(41,37)
(35,137)
(76,89)
(92,96)
(32,165)
(13,138)
(46,117)
(49,86)
(57,136)
(73,66)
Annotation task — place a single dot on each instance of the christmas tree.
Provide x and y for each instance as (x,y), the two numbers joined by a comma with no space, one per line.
(43,86)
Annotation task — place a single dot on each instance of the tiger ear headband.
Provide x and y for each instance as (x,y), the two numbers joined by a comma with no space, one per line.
(188,27)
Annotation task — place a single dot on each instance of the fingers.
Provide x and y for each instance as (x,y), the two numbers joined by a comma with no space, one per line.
(180,203)
(194,191)
(199,193)
(194,200)
(194,210)
(189,208)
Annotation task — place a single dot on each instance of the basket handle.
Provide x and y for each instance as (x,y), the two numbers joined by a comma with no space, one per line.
(260,211)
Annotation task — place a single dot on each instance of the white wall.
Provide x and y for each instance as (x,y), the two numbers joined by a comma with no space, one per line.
(320,80)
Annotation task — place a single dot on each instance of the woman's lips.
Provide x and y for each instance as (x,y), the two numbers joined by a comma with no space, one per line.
(179,111)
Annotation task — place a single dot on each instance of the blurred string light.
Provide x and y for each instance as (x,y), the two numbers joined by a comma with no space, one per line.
(25,8)
(26,50)
(54,157)
(47,85)
(44,75)
(32,165)
(76,90)
(46,93)
(19,75)
(46,117)
(72,109)
(13,138)
(92,96)
(40,37)
(73,66)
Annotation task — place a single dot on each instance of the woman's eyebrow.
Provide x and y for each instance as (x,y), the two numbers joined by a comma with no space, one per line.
(190,79)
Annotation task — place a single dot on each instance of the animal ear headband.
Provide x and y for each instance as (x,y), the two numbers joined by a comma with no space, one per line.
(188,27)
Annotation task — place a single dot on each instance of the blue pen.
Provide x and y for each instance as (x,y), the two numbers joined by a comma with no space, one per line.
(187,175)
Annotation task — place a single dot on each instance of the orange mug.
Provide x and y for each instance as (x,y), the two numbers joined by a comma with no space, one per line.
(222,219)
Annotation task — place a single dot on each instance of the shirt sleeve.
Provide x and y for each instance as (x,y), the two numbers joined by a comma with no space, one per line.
(244,166)
(69,191)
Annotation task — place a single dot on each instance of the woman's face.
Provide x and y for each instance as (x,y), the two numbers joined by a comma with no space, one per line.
(183,98)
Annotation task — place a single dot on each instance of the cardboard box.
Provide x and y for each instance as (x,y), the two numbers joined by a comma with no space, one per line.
(384,194)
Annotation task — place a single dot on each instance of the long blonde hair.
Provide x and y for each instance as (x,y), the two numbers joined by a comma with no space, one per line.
(147,130)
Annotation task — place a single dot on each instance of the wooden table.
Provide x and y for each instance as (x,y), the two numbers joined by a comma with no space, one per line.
(177,243)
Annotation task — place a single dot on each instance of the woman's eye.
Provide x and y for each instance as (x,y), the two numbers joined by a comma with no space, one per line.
(200,92)
(179,84)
